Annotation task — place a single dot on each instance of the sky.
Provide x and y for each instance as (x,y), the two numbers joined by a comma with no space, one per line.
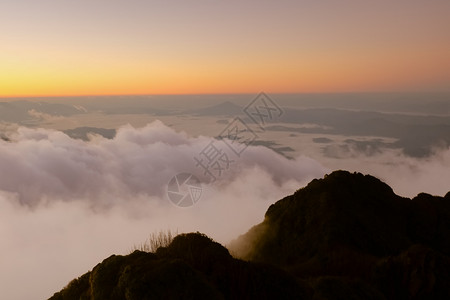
(66,48)
(68,203)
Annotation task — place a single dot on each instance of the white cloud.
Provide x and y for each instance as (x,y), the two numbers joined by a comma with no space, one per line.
(408,176)
(66,204)
(43,117)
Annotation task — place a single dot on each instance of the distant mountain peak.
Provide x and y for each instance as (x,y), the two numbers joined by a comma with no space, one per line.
(226,108)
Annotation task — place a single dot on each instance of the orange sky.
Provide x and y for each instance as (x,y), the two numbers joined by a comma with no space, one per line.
(171,47)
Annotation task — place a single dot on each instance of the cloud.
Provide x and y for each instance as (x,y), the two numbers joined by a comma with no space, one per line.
(65,204)
(44,117)
(44,165)
(408,176)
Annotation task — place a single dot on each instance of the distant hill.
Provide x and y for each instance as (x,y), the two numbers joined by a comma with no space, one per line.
(19,111)
(346,236)
(416,135)
(226,108)
(83,133)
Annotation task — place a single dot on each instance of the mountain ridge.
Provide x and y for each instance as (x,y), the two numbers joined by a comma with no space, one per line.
(345,236)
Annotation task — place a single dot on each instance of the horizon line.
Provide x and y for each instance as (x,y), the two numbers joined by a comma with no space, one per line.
(219,94)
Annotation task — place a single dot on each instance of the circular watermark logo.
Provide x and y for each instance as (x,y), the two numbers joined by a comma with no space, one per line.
(184,190)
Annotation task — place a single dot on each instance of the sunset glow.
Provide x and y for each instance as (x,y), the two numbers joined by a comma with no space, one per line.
(170,47)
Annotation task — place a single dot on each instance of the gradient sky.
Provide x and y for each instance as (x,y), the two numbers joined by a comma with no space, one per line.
(56,47)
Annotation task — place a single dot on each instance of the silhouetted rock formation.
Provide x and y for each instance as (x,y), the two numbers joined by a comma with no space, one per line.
(346,236)
(352,226)
(192,267)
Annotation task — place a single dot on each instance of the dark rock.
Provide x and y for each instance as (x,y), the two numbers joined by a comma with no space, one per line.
(346,236)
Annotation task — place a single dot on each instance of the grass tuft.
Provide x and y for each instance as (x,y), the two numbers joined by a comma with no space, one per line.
(156,240)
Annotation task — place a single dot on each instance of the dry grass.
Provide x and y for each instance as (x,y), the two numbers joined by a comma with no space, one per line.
(156,240)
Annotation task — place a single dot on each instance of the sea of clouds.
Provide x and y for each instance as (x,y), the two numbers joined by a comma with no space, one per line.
(66,204)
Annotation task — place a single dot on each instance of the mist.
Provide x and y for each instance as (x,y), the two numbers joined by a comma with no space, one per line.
(408,176)
(66,204)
